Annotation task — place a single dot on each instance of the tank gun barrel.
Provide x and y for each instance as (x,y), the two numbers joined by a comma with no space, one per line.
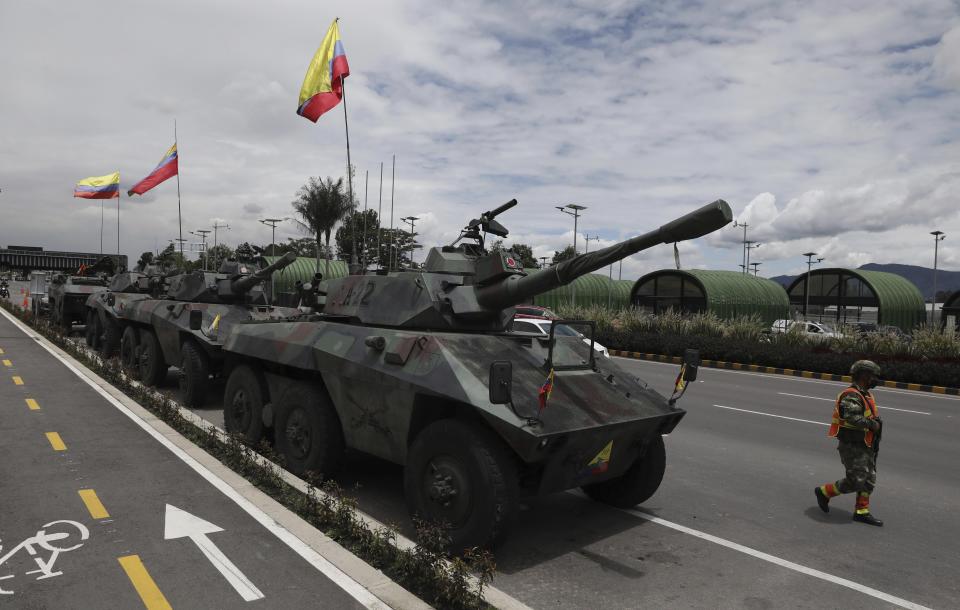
(516,289)
(246,283)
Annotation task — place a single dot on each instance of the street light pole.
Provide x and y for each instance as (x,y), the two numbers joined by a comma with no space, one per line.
(202,233)
(576,217)
(743,265)
(750,246)
(806,282)
(272,223)
(543,262)
(216,227)
(755,270)
(938,236)
(588,239)
(411,220)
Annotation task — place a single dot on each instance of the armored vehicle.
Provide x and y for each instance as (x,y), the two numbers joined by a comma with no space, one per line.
(104,331)
(67,294)
(186,328)
(419,368)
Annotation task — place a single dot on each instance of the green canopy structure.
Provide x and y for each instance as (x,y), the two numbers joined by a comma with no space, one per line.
(302,270)
(728,294)
(591,289)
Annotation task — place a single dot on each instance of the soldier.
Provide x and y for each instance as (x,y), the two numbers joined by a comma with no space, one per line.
(857,425)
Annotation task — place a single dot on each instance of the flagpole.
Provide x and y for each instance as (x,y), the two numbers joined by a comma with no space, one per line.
(353,212)
(119,195)
(380,222)
(179,214)
(101,228)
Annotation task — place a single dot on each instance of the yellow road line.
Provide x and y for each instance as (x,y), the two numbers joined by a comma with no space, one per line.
(56,442)
(32,404)
(17,380)
(7,362)
(151,595)
(94,506)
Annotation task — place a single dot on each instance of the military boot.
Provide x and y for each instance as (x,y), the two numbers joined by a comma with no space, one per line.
(867,518)
(822,500)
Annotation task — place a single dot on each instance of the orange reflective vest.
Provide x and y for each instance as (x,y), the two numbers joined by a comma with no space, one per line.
(870,412)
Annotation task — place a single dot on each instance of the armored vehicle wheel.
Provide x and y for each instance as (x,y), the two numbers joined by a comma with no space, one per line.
(90,330)
(465,477)
(637,484)
(97,332)
(194,374)
(129,348)
(307,431)
(243,404)
(111,340)
(153,368)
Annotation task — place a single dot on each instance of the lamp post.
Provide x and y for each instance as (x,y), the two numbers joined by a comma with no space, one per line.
(938,236)
(410,220)
(755,270)
(543,262)
(750,246)
(202,234)
(576,217)
(588,239)
(216,227)
(743,265)
(806,282)
(272,223)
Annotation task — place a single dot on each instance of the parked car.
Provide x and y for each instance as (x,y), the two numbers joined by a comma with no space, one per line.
(535,311)
(542,327)
(811,329)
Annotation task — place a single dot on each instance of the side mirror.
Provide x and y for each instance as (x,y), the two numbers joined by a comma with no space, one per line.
(691,358)
(196,319)
(501,382)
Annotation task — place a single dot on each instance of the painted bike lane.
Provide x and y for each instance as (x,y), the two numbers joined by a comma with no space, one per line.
(98,512)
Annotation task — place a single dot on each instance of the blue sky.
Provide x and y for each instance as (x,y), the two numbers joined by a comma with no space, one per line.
(829,126)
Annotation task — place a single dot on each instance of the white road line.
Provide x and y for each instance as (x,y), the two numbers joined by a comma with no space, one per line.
(796,567)
(318,561)
(914,393)
(806,421)
(832,400)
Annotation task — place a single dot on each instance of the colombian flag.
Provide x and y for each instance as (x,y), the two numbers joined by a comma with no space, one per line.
(167,168)
(98,187)
(322,88)
(545,391)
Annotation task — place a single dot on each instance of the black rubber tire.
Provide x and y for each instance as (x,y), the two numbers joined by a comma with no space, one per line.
(97,332)
(637,484)
(194,374)
(110,344)
(153,368)
(307,431)
(89,331)
(130,351)
(481,469)
(243,401)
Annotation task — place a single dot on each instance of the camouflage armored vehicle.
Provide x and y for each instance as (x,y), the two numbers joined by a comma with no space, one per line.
(419,368)
(67,294)
(104,331)
(186,328)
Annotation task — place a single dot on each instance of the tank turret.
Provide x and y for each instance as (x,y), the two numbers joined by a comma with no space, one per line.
(231,285)
(463,286)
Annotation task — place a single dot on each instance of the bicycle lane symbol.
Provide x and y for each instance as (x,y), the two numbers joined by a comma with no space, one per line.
(42,541)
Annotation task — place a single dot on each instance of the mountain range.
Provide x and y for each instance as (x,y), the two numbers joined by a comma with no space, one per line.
(922,277)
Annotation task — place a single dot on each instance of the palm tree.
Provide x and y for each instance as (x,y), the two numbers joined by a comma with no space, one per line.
(320,205)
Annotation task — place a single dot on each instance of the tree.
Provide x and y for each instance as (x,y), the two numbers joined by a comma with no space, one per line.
(497,246)
(525,254)
(304,246)
(366,249)
(321,205)
(400,244)
(145,259)
(565,254)
(218,254)
(246,252)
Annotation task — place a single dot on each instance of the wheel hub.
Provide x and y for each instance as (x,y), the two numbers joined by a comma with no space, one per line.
(241,409)
(298,433)
(447,487)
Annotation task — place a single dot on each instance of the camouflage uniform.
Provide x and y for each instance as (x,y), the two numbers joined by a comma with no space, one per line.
(856,424)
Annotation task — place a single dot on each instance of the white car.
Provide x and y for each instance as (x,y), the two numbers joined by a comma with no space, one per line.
(542,327)
(811,329)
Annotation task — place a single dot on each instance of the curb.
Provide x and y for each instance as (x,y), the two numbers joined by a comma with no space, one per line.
(736,366)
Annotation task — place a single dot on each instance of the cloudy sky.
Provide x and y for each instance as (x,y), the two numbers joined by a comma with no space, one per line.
(829,126)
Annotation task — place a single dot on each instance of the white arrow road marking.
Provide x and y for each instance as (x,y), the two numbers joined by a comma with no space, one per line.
(178,523)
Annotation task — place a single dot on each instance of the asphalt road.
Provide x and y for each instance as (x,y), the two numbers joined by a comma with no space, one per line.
(742,466)
(77,474)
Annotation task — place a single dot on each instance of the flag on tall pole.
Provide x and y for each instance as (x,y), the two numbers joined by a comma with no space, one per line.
(98,187)
(167,168)
(323,85)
